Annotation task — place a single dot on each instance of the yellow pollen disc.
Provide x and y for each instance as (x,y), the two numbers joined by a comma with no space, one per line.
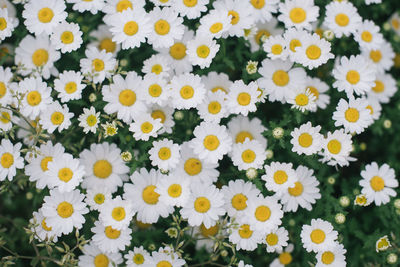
(102,169)
(203,51)
(101,260)
(157,69)
(294,44)
(131,28)
(149,195)
(207,232)
(65,174)
(57,118)
(123,5)
(214,107)
(45,15)
(379,87)
(127,97)
(272,239)
(70,87)
(243,99)
(366,36)
(383,243)
(186,92)
(314,91)
(280,177)
(262,213)
(44,225)
(99,198)
(108,45)
(241,137)
(162,27)
(178,51)
(258,4)
(33,98)
(371,109)
(164,263)
(313,52)
(297,190)
(235,17)
(375,55)
(118,213)
(305,140)
(158,114)
(342,19)
(193,166)
(334,146)
(260,34)
(5,117)
(285,258)
(7,160)
(67,37)
(248,156)
(91,120)
(361,200)
(216,27)
(155,90)
(276,49)
(45,161)
(211,142)
(395,23)
(3,90)
(138,259)
(164,153)
(98,64)
(65,209)
(297,15)
(377,183)
(40,57)
(175,190)
(317,236)
(245,232)
(3,24)
(112,233)
(190,3)
(202,204)
(301,100)
(353,76)
(280,78)
(352,115)
(327,257)
(239,201)
(146,127)
(218,88)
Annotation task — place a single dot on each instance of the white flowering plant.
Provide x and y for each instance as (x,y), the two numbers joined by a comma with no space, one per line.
(168,133)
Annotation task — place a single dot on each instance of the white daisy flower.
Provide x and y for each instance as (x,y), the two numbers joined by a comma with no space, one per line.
(7,24)
(56,117)
(37,56)
(298,13)
(94,257)
(110,240)
(318,88)
(130,27)
(336,148)
(64,173)
(39,165)
(275,47)
(240,128)
(164,154)
(145,126)
(164,113)
(167,27)
(378,183)
(5,86)
(155,89)
(137,257)
(261,10)
(342,18)
(10,159)
(187,91)
(211,141)
(117,213)
(382,58)
(245,237)
(395,22)
(42,231)
(64,211)
(215,24)
(7,119)
(385,87)
(279,177)
(164,256)
(354,75)
(276,239)
(236,195)
(174,190)
(93,5)
(43,15)
(201,50)
(368,36)
(103,167)
(215,82)
(204,205)
(285,257)
(242,98)
(304,193)
(144,198)
(89,120)
(302,99)
(249,154)
(261,32)
(69,85)
(214,107)
(279,79)
(319,236)
(103,39)
(333,257)
(97,196)
(306,139)
(191,9)
(117,6)
(97,64)
(353,115)
(157,64)
(294,39)
(36,97)
(67,37)
(124,97)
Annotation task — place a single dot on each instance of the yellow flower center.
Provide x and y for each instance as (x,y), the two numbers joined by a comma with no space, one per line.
(118,213)
(157,69)
(243,99)
(3,24)
(44,226)
(167,263)
(190,3)
(272,239)
(314,91)
(366,36)
(375,55)
(175,190)
(280,78)
(155,90)
(207,232)
(149,195)
(44,163)
(245,232)
(162,27)
(317,236)
(297,15)
(235,17)
(108,45)
(70,87)
(131,28)
(33,98)
(262,213)
(305,140)
(65,174)
(91,120)
(127,97)
(57,118)
(102,169)
(294,44)
(146,127)
(297,190)
(260,34)
(276,49)
(98,64)
(379,87)
(313,52)
(280,177)
(3,90)
(193,166)
(65,209)
(352,115)
(214,107)
(138,259)
(258,4)
(164,153)
(202,204)
(203,51)
(371,109)
(187,92)
(7,160)
(45,15)
(285,258)
(158,114)
(248,156)
(241,136)
(216,27)
(377,183)
(211,142)
(353,76)
(239,201)
(383,243)
(342,19)
(302,100)
(178,51)
(5,117)
(67,37)
(40,57)
(327,257)
(123,5)
(112,233)
(99,198)
(101,260)
(334,146)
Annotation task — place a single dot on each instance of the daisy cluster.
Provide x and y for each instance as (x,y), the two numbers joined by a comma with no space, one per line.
(121,113)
